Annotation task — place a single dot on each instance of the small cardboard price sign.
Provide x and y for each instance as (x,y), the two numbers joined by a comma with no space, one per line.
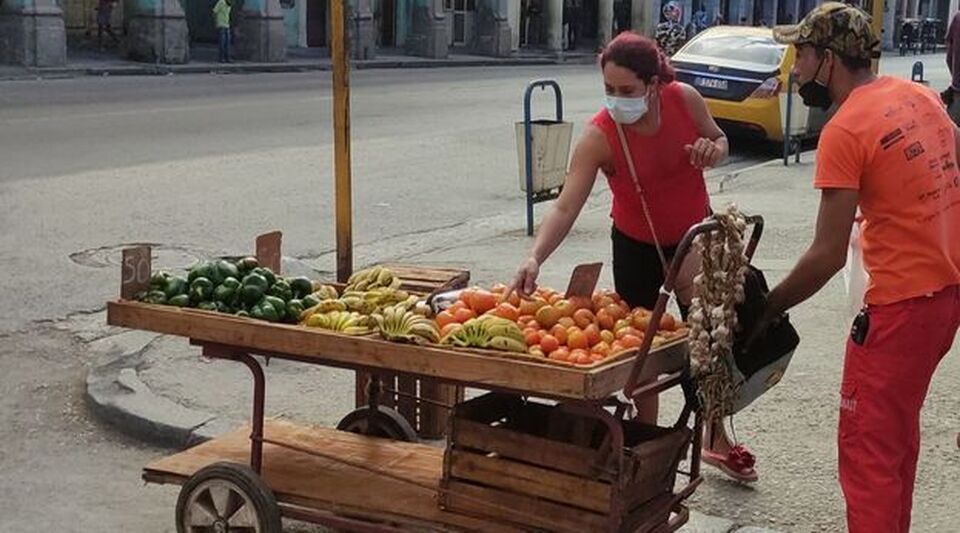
(584,279)
(268,250)
(135,271)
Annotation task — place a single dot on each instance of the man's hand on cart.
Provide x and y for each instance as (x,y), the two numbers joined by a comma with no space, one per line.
(525,281)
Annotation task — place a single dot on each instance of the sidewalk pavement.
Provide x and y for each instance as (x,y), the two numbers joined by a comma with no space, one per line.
(156,387)
(83,60)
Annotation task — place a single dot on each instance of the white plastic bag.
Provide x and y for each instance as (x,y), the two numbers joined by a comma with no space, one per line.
(854,274)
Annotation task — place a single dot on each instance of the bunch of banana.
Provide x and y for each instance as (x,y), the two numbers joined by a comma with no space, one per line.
(384,296)
(488,331)
(372,278)
(398,323)
(325,292)
(324,306)
(357,301)
(343,322)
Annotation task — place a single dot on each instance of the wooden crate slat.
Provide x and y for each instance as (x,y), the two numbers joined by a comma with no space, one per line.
(520,509)
(507,443)
(517,477)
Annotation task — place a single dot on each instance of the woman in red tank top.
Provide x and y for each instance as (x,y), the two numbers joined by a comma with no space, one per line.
(671,138)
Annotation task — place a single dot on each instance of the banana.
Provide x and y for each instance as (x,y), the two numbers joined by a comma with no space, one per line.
(507,344)
(384,278)
(358,330)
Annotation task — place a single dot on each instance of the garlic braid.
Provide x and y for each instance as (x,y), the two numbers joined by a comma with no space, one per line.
(713,318)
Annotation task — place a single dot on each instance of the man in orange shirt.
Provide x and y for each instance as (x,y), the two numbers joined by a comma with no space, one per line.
(890,150)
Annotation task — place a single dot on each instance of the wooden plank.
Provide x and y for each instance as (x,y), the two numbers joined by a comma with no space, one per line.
(321,483)
(487,502)
(406,406)
(531,480)
(528,448)
(321,347)
(665,359)
(339,52)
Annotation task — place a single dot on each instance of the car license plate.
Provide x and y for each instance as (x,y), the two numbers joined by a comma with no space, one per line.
(711,83)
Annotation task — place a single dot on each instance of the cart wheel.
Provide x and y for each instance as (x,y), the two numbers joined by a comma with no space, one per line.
(224,498)
(385,423)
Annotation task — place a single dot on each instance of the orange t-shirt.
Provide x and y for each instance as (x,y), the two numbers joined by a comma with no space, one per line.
(893,141)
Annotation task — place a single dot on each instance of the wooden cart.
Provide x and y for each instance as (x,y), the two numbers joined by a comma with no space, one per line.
(577,463)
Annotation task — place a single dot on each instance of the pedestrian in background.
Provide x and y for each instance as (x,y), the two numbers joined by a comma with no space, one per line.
(875,154)
(670,34)
(104,24)
(221,11)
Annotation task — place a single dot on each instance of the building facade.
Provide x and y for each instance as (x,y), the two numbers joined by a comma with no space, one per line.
(33,31)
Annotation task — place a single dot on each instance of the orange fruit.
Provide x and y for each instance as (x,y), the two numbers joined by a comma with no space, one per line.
(533,337)
(631,341)
(592,333)
(530,306)
(547,316)
(603,348)
(629,330)
(483,301)
(583,317)
(560,354)
(616,347)
(560,333)
(600,301)
(462,315)
(554,297)
(667,322)
(534,324)
(641,321)
(524,320)
(445,318)
(577,339)
(466,296)
(607,336)
(620,324)
(459,304)
(498,288)
(567,322)
(549,343)
(616,311)
(580,357)
(505,310)
(565,307)
(605,319)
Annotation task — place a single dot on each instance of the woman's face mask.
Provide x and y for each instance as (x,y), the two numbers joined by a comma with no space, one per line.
(626,110)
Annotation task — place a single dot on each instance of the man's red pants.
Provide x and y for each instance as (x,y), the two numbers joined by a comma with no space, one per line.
(885,381)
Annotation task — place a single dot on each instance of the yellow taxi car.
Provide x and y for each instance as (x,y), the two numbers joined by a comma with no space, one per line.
(743,75)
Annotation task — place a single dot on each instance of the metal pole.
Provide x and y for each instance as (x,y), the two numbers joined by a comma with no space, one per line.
(528,156)
(341,140)
(786,123)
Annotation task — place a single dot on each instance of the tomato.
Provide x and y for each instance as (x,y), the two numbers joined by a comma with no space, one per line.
(583,317)
(549,343)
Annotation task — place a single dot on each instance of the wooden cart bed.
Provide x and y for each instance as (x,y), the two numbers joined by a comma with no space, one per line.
(463,367)
(308,481)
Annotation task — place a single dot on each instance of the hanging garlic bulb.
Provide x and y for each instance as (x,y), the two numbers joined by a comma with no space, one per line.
(713,317)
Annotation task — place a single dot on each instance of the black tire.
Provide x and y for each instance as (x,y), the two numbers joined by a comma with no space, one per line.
(385,423)
(244,490)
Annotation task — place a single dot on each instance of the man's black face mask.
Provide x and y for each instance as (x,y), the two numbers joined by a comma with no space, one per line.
(815,93)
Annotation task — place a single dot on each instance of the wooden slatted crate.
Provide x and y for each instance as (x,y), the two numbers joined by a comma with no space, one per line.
(545,467)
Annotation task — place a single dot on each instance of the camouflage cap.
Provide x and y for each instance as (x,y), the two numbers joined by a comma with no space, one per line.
(845,29)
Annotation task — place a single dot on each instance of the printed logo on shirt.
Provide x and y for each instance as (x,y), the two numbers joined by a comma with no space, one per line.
(891,138)
(913,151)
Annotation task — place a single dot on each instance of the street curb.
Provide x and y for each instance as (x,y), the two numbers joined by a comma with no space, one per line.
(291,66)
(117,395)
